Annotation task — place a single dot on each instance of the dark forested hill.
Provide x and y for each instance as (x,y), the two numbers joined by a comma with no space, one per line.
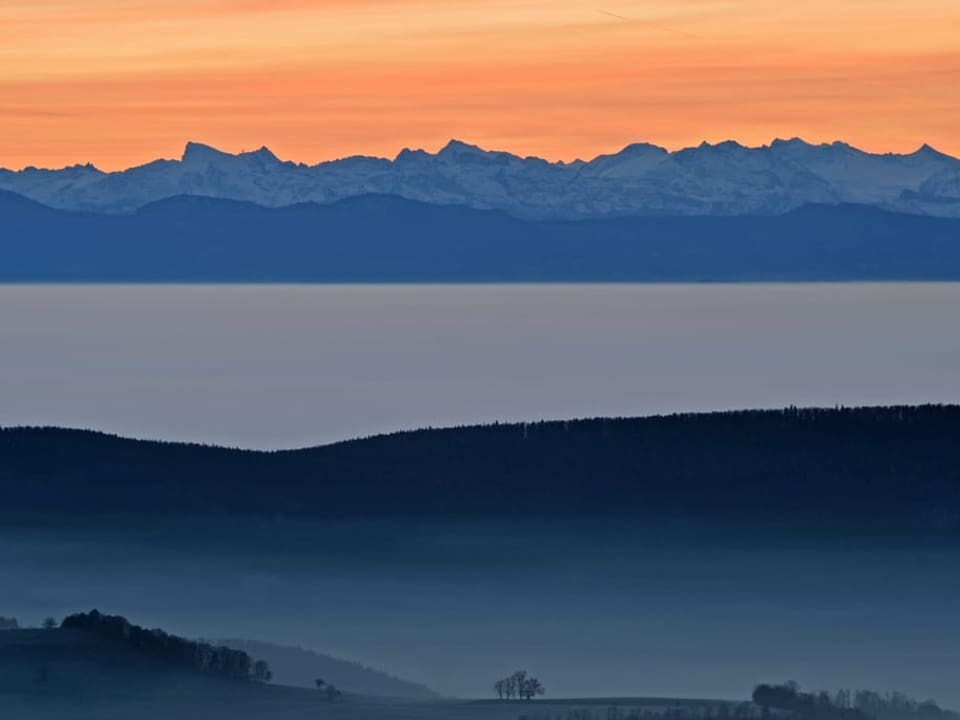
(379,238)
(898,465)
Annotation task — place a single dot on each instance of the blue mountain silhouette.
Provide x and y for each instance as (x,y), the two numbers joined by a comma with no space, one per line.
(379,238)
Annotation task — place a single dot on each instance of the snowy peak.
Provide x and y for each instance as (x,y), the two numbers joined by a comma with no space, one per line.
(456,151)
(458,147)
(928,151)
(412,155)
(794,143)
(461,154)
(643,149)
(196,152)
(263,155)
(723,178)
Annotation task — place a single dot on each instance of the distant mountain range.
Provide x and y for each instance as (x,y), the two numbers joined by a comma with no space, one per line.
(385,238)
(642,179)
(894,467)
(789,211)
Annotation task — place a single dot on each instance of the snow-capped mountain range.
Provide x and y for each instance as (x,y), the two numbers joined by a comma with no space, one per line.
(642,179)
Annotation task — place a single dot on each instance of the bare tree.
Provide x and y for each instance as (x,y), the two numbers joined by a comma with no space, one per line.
(517,680)
(531,688)
(518,685)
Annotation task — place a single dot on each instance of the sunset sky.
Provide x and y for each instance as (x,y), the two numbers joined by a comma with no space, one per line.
(120,82)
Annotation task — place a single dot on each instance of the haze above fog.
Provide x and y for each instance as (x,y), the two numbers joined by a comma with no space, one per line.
(289,366)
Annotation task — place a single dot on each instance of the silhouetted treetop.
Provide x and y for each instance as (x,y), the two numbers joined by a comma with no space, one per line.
(790,700)
(200,656)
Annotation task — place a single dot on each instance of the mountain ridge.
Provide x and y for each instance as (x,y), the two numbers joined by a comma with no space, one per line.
(724,178)
(386,238)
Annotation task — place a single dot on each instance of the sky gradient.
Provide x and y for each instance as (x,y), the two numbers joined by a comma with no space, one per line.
(121,82)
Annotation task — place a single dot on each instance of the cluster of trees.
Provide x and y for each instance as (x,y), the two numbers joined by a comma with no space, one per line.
(200,656)
(787,702)
(791,699)
(519,685)
(847,704)
(897,706)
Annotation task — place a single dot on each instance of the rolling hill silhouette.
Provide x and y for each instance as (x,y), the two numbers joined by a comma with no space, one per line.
(888,467)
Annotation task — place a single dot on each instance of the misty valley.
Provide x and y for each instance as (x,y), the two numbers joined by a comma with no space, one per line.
(680,567)
(285,548)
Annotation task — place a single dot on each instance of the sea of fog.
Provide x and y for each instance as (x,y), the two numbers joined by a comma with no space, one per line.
(284,366)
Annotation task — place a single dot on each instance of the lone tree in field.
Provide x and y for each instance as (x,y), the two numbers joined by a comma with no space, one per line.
(49,624)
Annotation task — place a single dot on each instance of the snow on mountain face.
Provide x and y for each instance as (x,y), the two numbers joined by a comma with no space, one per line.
(860,177)
(642,179)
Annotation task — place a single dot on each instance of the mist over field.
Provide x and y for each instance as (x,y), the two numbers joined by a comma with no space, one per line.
(598,606)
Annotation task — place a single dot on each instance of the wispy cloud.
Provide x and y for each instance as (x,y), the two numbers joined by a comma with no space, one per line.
(648,23)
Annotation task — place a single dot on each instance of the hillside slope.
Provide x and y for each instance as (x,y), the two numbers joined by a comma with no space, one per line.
(60,674)
(298,667)
(81,663)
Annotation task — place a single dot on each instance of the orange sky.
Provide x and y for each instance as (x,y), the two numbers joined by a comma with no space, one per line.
(120,82)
